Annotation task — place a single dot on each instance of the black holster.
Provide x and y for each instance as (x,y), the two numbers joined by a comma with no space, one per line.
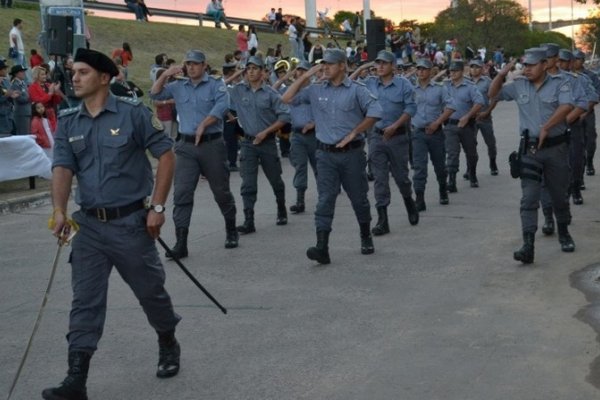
(514,159)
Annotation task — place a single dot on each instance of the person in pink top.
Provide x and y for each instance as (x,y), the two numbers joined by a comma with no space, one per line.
(242,41)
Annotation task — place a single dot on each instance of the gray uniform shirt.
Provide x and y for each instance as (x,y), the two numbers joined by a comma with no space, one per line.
(431,102)
(537,106)
(6,103)
(257,110)
(588,87)
(337,110)
(22,103)
(107,153)
(464,96)
(578,94)
(300,113)
(483,85)
(196,102)
(395,98)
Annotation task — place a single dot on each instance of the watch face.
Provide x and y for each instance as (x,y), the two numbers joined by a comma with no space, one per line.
(158,208)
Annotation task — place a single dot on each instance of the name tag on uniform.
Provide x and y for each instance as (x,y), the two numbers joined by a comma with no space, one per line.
(75,138)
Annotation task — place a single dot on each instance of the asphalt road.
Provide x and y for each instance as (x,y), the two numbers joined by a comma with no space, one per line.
(440,311)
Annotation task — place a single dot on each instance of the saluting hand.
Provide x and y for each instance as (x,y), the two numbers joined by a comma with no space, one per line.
(154,221)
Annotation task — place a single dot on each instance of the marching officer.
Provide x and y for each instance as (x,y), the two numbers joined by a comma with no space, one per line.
(343,111)
(434,107)
(389,138)
(201,101)
(303,141)
(483,121)
(544,101)
(460,127)
(261,114)
(103,142)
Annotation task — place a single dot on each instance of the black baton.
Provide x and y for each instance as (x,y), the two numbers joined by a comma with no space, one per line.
(189,274)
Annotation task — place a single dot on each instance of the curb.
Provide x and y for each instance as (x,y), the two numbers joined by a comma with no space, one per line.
(24,202)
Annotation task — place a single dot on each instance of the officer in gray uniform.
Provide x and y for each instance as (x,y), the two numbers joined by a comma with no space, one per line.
(544,101)
(483,121)
(434,107)
(460,127)
(389,140)
(22,104)
(303,143)
(6,103)
(261,113)
(201,102)
(580,101)
(103,142)
(343,111)
(589,123)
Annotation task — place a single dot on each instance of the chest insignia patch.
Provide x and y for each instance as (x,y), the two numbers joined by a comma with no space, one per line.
(115,132)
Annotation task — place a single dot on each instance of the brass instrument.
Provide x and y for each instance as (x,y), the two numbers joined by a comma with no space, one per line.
(286,65)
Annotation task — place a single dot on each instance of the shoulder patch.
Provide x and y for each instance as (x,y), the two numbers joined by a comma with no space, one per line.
(156,124)
(68,111)
(129,100)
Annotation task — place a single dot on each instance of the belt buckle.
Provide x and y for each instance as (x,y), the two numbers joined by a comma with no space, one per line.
(101,214)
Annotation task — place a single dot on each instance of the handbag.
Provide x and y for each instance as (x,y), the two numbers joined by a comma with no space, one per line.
(12,52)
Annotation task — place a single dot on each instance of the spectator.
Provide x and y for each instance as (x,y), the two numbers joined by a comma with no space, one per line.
(347,27)
(242,41)
(252,40)
(278,51)
(270,58)
(302,37)
(349,49)
(63,74)
(22,106)
(6,3)
(49,94)
(17,52)
(42,128)
(315,53)
(6,103)
(215,10)
(35,59)
(272,17)
(124,88)
(279,20)
(357,26)
(134,6)
(159,63)
(293,38)
(125,54)
(165,112)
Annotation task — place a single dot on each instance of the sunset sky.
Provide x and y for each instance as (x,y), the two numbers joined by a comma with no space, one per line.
(421,10)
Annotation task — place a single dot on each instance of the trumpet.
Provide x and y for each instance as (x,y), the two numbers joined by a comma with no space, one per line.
(286,65)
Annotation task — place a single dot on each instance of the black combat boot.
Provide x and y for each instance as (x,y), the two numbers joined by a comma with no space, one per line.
(548,227)
(73,387)
(526,252)
(382,227)
(411,210)
(180,249)
(452,183)
(281,212)
(169,352)
(320,252)
(473,177)
(366,240)
(493,166)
(232,237)
(576,193)
(564,238)
(589,170)
(420,202)
(299,206)
(444,194)
(248,225)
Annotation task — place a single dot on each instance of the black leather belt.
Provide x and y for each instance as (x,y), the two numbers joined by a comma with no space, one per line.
(206,137)
(549,141)
(399,131)
(251,138)
(452,121)
(107,214)
(332,149)
(309,132)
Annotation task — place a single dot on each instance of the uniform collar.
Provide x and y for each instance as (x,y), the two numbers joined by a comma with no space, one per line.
(263,86)
(202,80)
(110,105)
(395,81)
(346,82)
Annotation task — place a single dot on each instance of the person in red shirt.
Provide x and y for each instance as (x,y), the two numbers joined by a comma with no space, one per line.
(41,127)
(48,94)
(242,41)
(35,59)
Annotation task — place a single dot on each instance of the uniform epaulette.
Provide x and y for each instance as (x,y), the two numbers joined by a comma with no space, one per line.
(68,111)
(129,100)
(359,83)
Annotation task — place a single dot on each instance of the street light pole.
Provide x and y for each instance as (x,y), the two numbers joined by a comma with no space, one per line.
(550,15)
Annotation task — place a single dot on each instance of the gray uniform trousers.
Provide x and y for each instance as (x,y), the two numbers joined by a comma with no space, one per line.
(456,136)
(208,159)
(125,244)
(590,134)
(389,156)
(552,165)
(251,156)
(348,170)
(425,145)
(302,151)
(486,127)
(577,151)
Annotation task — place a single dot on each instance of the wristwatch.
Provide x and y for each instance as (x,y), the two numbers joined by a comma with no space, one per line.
(158,208)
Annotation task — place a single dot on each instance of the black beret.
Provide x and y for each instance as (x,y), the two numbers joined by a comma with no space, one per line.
(99,61)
